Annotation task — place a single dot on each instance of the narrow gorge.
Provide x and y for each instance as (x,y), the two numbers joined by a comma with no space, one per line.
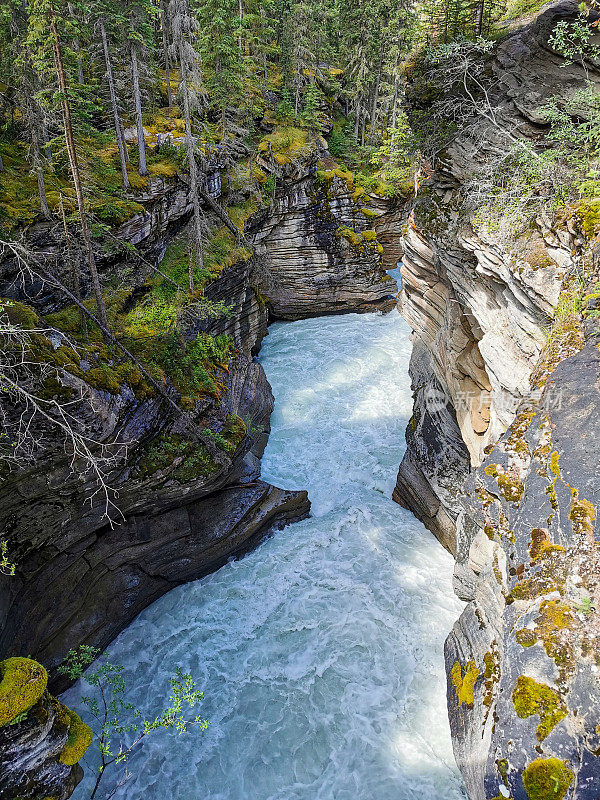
(200,465)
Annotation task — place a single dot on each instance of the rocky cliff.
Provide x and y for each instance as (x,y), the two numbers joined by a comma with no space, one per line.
(318,260)
(502,458)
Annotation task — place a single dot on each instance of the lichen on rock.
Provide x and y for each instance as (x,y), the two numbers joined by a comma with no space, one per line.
(530,697)
(464,682)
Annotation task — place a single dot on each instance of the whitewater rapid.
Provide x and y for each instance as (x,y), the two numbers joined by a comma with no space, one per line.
(320,653)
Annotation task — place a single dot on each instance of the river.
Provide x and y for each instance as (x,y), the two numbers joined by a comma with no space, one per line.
(320,653)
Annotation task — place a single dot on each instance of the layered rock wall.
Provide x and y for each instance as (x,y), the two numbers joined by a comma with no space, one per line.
(502,457)
(314,264)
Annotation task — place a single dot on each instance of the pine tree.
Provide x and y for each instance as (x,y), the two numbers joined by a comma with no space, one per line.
(48,60)
(140,40)
(184,27)
(218,41)
(107,10)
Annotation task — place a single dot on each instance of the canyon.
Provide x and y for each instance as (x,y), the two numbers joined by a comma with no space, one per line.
(501,463)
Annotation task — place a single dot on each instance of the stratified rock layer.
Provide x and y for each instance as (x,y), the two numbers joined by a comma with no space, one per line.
(312,267)
(502,457)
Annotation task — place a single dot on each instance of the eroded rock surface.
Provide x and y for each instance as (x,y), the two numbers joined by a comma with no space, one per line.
(502,458)
(315,265)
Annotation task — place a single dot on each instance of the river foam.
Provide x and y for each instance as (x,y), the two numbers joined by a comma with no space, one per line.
(320,653)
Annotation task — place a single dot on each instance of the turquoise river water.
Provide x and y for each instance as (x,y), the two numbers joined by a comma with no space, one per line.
(319,653)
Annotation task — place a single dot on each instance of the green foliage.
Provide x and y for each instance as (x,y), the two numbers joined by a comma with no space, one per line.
(586,606)
(7,567)
(284,110)
(121,726)
(573,40)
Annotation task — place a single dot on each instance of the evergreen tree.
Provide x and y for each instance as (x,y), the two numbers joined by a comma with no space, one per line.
(49,61)
(140,40)
(219,39)
(184,28)
(108,10)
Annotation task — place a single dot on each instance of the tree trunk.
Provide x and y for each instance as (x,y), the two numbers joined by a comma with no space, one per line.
(163,24)
(74,272)
(72,152)
(395,102)
(137,97)
(376,92)
(46,140)
(479,17)
(241,19)
(115,108)
(124,140)
(80,75)
(39,171)
(1,164)
(191,164)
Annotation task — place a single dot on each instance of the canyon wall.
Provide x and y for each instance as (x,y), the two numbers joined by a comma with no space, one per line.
(502,457)
(183,505)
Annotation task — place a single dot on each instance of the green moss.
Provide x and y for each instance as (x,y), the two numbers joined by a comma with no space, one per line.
(164,169)
(19,314)
(553,625)
(22,684)
(530,697)
(502,765)
(521,8)
(104,378)
(526,637)
(588,212)
(541,547)
(115,211)
(582,514)
(79,738)
(547,779)
(354,237)
(554,459)
(286,143)
(234,432)
(464,683)
(510,486)
(183,460)
(491,674)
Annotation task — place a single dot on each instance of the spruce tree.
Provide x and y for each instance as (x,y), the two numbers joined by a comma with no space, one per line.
(184,27)
(47,55)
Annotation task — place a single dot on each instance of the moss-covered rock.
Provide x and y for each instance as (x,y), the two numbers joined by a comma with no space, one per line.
(23,682)
(79,738)
(464,683)
(530,697)
(547,779)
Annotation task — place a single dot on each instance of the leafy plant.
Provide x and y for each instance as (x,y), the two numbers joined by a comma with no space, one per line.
(586,606)
(6,566)
(120,724)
